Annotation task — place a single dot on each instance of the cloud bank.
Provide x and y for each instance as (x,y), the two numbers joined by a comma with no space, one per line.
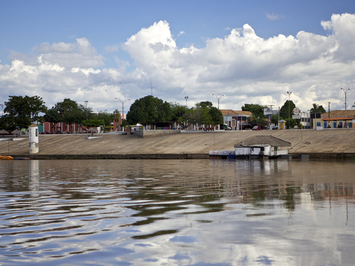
(242,66)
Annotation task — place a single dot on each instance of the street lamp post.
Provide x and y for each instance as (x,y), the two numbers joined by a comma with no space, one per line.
(86,107)
(345,91)
(122,102)
(289,107)
(186,97)
(271,105)
(218,97)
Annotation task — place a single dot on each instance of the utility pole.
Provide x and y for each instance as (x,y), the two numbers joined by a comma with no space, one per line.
(218,97)
(345,91)
(328,109)
(271,105)
(151,87)
(86,107)
(186,97)
(289,107)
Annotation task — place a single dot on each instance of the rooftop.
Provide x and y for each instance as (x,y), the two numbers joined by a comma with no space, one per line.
(339,113)
(232,112)
(337,118)
(264,140)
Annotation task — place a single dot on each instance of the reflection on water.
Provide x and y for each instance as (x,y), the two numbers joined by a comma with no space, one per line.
(177,212)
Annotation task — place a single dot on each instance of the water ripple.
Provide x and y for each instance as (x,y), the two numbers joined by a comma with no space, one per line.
(183,212)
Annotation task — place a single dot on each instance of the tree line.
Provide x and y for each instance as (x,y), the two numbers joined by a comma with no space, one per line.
(20,112)
(285,113)
(150,110)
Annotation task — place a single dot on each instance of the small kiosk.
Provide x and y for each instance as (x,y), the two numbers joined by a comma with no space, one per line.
(33,138)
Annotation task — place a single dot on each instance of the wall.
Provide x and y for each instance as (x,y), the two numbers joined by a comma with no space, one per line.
(152,133)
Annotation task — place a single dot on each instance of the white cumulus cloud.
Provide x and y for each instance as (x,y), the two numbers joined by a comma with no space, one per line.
(242,66)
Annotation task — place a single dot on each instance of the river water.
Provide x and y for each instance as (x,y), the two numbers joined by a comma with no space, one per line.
(177,212)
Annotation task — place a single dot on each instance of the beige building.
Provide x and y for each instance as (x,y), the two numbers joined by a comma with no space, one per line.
(335,119)
(235,119)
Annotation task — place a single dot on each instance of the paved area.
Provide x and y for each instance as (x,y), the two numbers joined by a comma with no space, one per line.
(336,141)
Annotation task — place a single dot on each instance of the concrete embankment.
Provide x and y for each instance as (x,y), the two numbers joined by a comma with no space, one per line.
(336,143)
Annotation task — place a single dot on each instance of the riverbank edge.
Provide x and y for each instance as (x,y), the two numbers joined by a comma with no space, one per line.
(165,156)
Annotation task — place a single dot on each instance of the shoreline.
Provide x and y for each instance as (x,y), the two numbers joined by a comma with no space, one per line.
(316,144)
(311,156)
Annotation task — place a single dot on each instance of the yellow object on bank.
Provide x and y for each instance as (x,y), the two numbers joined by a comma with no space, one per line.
(6,158)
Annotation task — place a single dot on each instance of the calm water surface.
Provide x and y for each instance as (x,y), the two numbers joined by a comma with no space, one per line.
(177,212)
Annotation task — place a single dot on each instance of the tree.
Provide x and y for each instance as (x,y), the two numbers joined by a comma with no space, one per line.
(149,110)
(206,104)
(286,109)
(255,120)
(124,123)
(317,109)
(256,109)
(286,113)
(257,117)
(93,122)
(23,111)
(106,117)
(216,115)
(178,112)
(274,119)
(68,112)
(192,117)
(7,122)
(53,116)
(116,117)
(290,123)
(203,114)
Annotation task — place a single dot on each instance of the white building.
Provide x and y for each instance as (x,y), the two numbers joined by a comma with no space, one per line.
(261,146)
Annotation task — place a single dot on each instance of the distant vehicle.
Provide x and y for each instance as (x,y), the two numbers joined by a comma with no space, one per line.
(272,127)
(256,128)
(59,132)
(224,127)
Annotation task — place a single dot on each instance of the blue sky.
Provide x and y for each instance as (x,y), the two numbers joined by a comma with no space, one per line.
(81,50)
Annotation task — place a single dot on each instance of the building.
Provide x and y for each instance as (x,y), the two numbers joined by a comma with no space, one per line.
(305,120)
(235,119)
(262,146)
(256,147)
(74,127)
(60,127)
(335,119)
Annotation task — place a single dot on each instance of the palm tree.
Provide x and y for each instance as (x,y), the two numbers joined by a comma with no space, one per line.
(317,109)
(116,116)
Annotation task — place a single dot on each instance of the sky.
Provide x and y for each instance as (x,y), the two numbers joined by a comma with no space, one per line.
(111,53)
